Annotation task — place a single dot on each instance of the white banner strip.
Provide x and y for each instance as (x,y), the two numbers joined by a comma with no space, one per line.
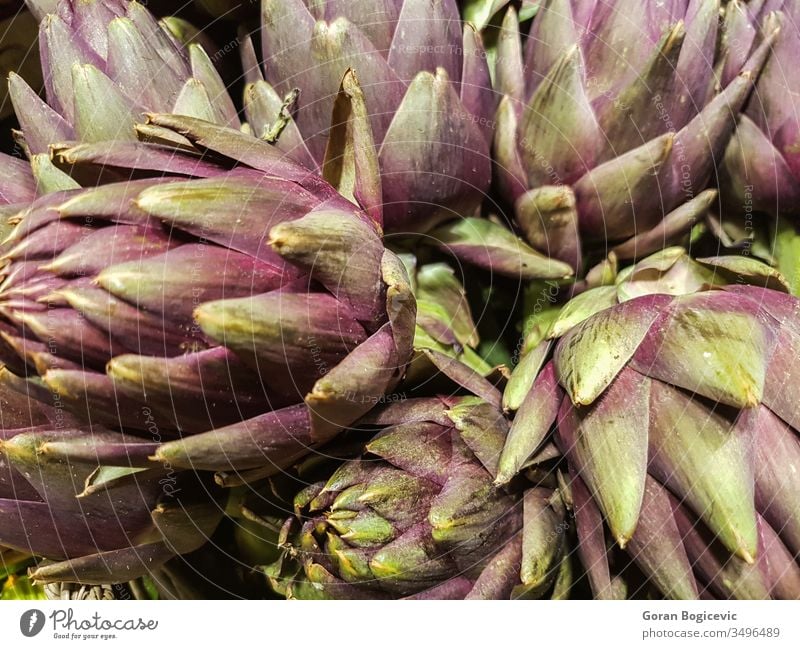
(406,625)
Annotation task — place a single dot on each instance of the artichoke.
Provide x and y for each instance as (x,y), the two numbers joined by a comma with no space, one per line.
(668,391)
(417,515)
(761,168)
(238,318)
(609,128)
(106,63)
(88,500)
(425,81)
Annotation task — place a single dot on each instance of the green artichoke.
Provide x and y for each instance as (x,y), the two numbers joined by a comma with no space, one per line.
(668,392)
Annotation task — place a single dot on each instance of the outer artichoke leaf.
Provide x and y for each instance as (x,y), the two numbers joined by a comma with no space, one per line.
(531,425)
(607,445)
(701,457)
(590,356)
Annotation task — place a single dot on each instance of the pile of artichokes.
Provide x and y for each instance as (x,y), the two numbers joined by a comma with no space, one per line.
(381,299)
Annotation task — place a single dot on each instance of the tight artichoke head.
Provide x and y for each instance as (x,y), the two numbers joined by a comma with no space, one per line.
(417,515)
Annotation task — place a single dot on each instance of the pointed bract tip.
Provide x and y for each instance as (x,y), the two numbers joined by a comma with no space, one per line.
(572,54)
(441,75)
(501,480)
(582,399)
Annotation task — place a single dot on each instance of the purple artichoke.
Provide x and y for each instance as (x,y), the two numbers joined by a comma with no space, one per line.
(88,500)
(241,317)
(417,515)
(668,391)
(106,63)
(428,102)
(610,126)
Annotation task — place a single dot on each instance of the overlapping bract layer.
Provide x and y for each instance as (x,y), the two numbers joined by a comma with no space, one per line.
(669,395)
(78,496)
(428,95)
(762,162)
(610,126)
(246,314)
(107,62)
(418,516)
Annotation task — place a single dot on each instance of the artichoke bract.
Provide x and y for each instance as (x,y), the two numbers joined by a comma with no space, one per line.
(17,185)
(417,515)
(761,168)
(609,128)
(105,63)
(72,494)
(668,392)
(426,83)
(444,320)
(239,318)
